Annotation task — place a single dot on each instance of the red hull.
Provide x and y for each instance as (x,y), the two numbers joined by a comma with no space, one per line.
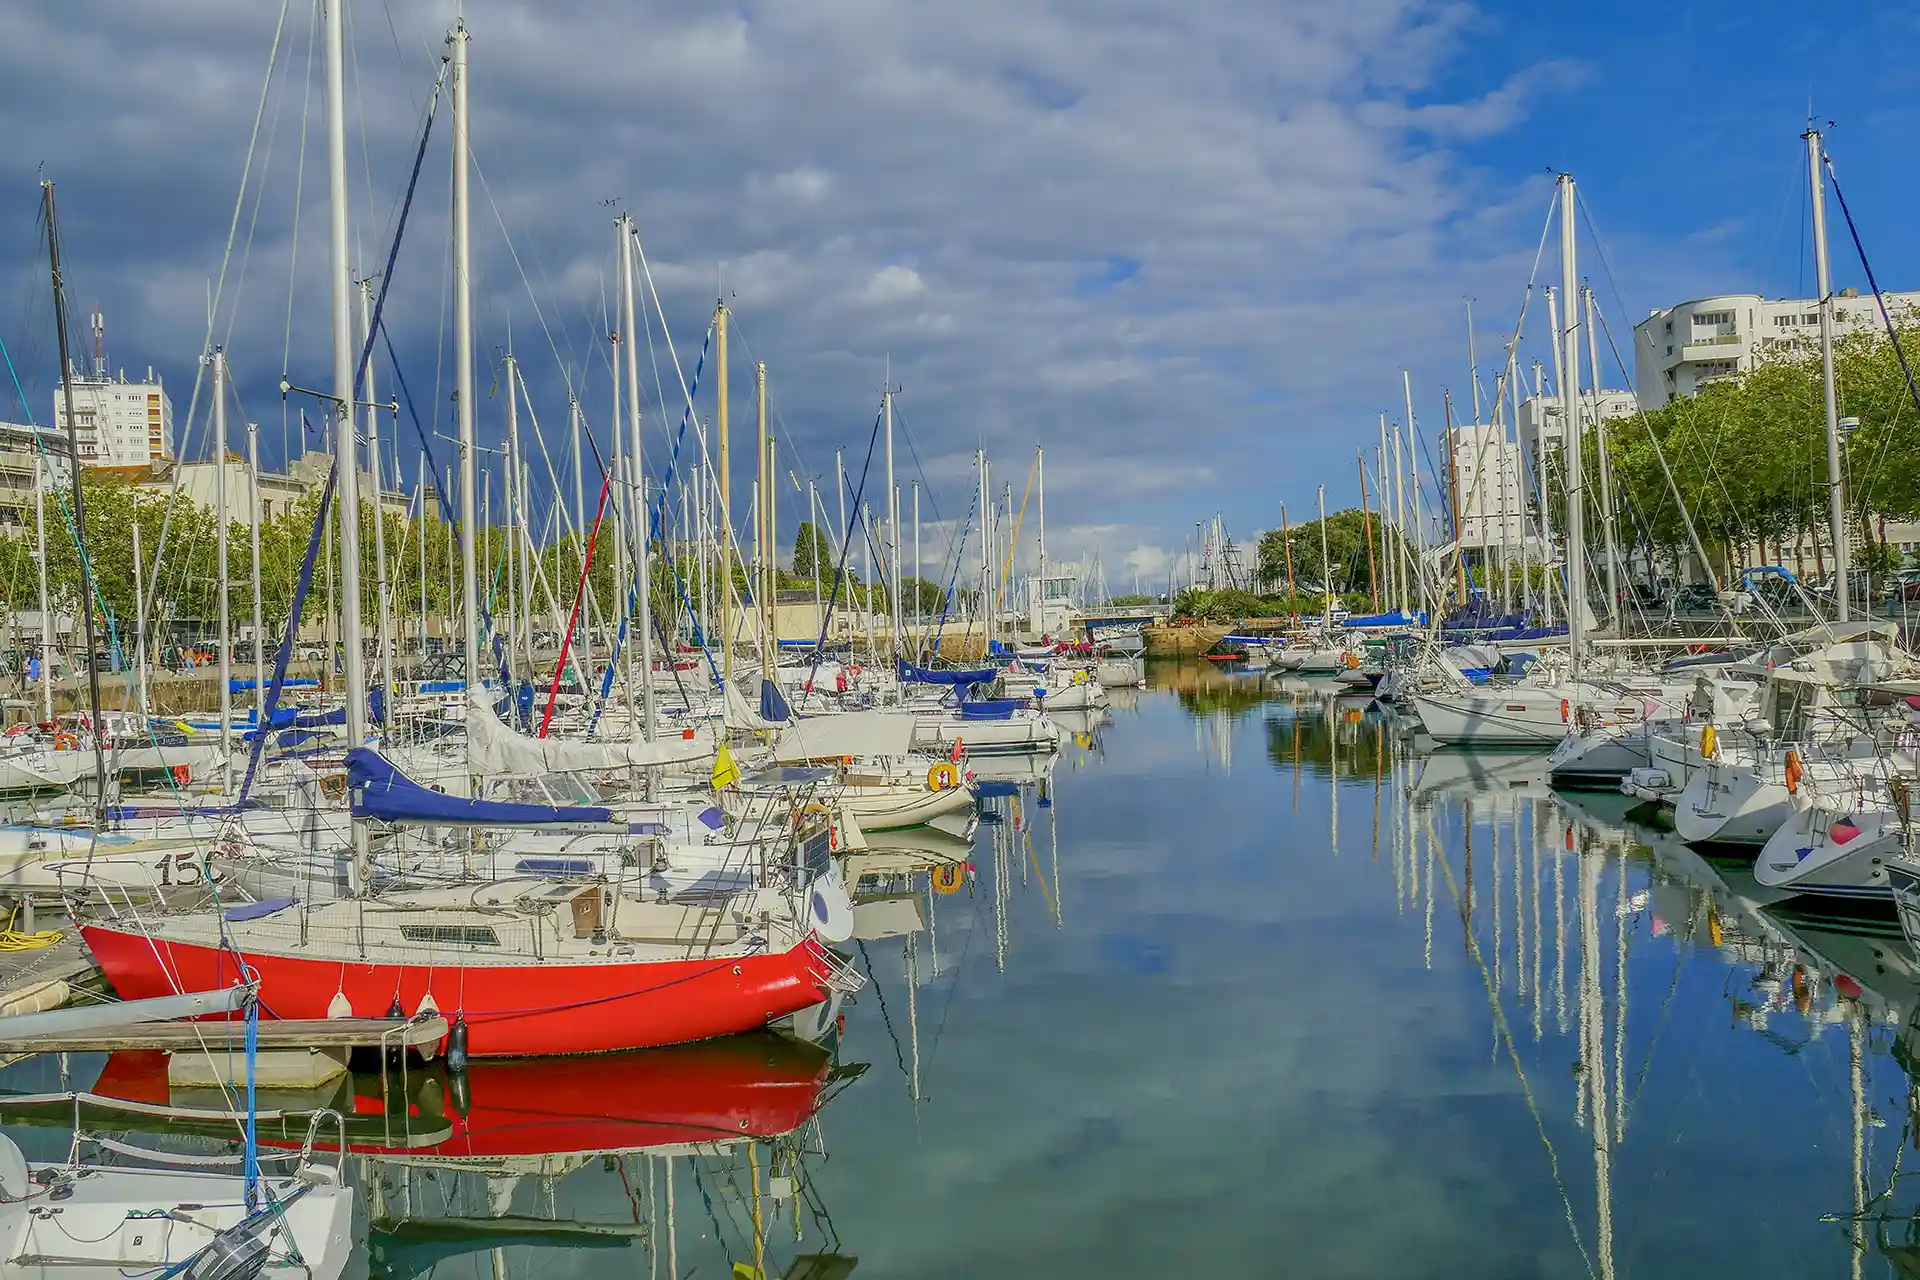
(746,1086)
(511,1010)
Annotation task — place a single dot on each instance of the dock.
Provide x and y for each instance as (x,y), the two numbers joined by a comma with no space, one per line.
(340,1035)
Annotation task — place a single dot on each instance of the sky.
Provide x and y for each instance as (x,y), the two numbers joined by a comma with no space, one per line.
(1186,248)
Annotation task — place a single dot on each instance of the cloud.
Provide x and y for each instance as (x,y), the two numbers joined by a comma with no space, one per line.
(1181,246)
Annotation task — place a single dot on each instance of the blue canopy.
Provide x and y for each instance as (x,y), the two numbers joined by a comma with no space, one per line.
(320,719)
(381,791)
(921,675)
(242,686)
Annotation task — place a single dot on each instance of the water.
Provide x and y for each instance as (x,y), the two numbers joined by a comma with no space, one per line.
(1245,988)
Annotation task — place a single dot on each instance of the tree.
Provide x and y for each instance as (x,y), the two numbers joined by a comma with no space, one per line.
(1346,550)
(812,554)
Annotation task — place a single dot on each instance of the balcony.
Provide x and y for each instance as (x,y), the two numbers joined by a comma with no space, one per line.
(1709,348)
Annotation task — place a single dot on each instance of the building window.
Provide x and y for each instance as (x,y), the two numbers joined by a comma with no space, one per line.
(1785,322)
(1710,318)
(1813,317)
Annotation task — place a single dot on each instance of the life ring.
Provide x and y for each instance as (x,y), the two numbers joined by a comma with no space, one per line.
(1709,741)
(943,777)
(947,878)
(65,742)
(1794,771)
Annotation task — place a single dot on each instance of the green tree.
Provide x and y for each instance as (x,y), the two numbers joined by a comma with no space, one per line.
(812,554)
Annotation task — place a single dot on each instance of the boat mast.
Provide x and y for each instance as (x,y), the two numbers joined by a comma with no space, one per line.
(1388,566)
(253,543)
(1326,568)
(345,448)
(919,619)
(763,514)
(1570,421)
(1040,470)
(1401,545)
(384,641)
(1366,526)
(463,364)
(79,509)
(891,569)
(1836,481)
(40,545)
(1419,549)
(1286,544)
(140,624)
(631,461)
(219,362)
(986,616)
(1453,502)
(1606,477)
(581,645)
(724,577)
(813,554)
(840,485)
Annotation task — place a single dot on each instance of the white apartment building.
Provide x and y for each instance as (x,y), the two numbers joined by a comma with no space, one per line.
(1677,350)
(1540,417)
(1487,467)
(116,423)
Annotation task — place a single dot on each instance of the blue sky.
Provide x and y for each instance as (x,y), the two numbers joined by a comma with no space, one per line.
(1188,248)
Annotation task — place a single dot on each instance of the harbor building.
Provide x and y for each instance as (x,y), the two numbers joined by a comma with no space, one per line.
(1678,349)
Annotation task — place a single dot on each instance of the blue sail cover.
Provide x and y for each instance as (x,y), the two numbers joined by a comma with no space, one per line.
(1398,618)
(381,791)
(920,675)
(773,706)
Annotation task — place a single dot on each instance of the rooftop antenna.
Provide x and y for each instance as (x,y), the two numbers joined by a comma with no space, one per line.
(99,342)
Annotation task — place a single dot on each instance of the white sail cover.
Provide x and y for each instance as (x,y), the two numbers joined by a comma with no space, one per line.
(498,749)
(856,733)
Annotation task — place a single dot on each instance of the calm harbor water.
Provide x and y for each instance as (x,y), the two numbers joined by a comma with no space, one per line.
(1249,985)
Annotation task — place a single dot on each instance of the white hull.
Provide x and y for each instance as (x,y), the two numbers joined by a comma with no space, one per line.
(1802,855)
(1508,717)
(1730,803)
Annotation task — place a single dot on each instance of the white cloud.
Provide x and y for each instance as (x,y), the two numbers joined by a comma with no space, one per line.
(947,192)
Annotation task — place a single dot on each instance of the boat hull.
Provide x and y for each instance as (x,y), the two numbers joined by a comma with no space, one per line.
(511,1010)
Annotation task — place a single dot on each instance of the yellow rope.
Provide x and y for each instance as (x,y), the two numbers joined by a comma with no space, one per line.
(13,941)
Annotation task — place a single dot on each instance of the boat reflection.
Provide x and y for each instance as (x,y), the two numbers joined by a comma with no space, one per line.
(595,1152)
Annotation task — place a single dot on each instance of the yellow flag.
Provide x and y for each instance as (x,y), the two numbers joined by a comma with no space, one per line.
(725,771)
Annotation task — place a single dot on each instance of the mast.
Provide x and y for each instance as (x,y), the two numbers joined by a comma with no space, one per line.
(582,644)
(1366,525)
(725,582)
(253,542)
(1570,418)
(840,486)
(1040,468)
(891,568)
(1473,364)
(384,642)
(1387,559)
(1453,504)
(140,624)
(1836,481)
(1401,545)
(919,620)
(1326,568)
(516,520)
(345,448)
(1606,476)
(1559,376)
(219,362)
(813,553)
(79,508)
(765,588)
(632,461)
(763,530)
(40,547)
(1419,549)
(463,362)
(1286,543)
(420,529)
(986,616)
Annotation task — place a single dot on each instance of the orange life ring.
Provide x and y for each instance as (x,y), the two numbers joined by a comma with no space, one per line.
(65,742)
(947,878)
(943,777)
